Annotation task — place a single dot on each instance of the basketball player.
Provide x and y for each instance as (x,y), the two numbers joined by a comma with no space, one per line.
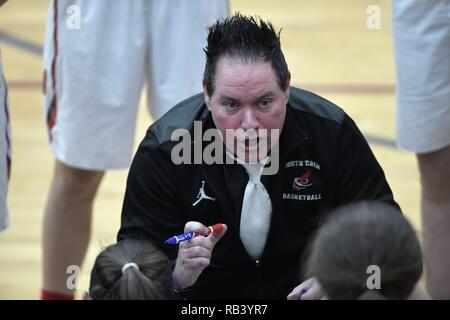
(97,56)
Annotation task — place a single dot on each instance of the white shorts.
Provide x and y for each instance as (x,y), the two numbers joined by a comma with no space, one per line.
(422,47)
(5,150)
(97,54)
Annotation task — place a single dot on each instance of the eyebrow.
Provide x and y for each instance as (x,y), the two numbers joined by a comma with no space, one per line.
(266,95)
(225,97)
(269,94)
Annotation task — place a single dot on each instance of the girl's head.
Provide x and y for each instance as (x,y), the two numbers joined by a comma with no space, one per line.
(360,242)
(131,270)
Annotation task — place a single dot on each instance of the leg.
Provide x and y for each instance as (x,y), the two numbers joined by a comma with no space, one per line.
(67,223)
(435,179)
(91,100)
(171,77)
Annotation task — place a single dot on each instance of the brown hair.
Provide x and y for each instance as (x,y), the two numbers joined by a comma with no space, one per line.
(153,280)
(360,235)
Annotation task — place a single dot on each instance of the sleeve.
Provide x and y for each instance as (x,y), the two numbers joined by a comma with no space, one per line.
(359,175)
(151,208)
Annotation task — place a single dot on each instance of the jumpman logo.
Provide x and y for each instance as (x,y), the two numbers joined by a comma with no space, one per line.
(202,195)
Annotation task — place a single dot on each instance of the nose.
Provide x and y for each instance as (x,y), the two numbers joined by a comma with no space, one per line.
(249,119)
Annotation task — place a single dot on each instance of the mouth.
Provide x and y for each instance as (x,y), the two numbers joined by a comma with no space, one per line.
(251,143)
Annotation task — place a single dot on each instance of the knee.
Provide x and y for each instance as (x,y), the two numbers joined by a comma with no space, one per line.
(76,183)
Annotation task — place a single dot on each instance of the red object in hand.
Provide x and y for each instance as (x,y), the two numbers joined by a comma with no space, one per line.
(217,228)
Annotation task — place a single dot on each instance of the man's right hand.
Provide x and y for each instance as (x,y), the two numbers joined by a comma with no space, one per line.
(194,255)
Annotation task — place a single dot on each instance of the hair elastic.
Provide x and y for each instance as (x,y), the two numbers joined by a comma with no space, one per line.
(129,265)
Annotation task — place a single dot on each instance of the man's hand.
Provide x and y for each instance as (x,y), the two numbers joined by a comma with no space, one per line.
(194,255)
(311,289)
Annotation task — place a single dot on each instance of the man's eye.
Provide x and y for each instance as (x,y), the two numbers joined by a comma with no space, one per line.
(265,104)
(231,106)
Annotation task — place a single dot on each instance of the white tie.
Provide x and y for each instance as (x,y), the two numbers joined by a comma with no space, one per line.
(256,212)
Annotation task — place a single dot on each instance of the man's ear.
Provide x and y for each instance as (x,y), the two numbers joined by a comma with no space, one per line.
(206,95)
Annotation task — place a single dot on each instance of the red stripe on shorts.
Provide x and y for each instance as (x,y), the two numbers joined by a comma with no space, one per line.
(51,113)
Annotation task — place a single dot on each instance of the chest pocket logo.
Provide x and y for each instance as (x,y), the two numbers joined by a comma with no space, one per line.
(303,181)
(305,178)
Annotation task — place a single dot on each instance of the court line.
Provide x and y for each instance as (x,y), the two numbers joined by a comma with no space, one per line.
(350,89)
(386,142)
(24,84)
(20,43)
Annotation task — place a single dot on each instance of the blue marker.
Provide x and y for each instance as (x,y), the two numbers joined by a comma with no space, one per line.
(180,238)
(217,228)
(304,290)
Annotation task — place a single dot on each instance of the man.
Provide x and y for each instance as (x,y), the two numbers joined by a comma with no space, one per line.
(323,159)
(422,47)
(96,57)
